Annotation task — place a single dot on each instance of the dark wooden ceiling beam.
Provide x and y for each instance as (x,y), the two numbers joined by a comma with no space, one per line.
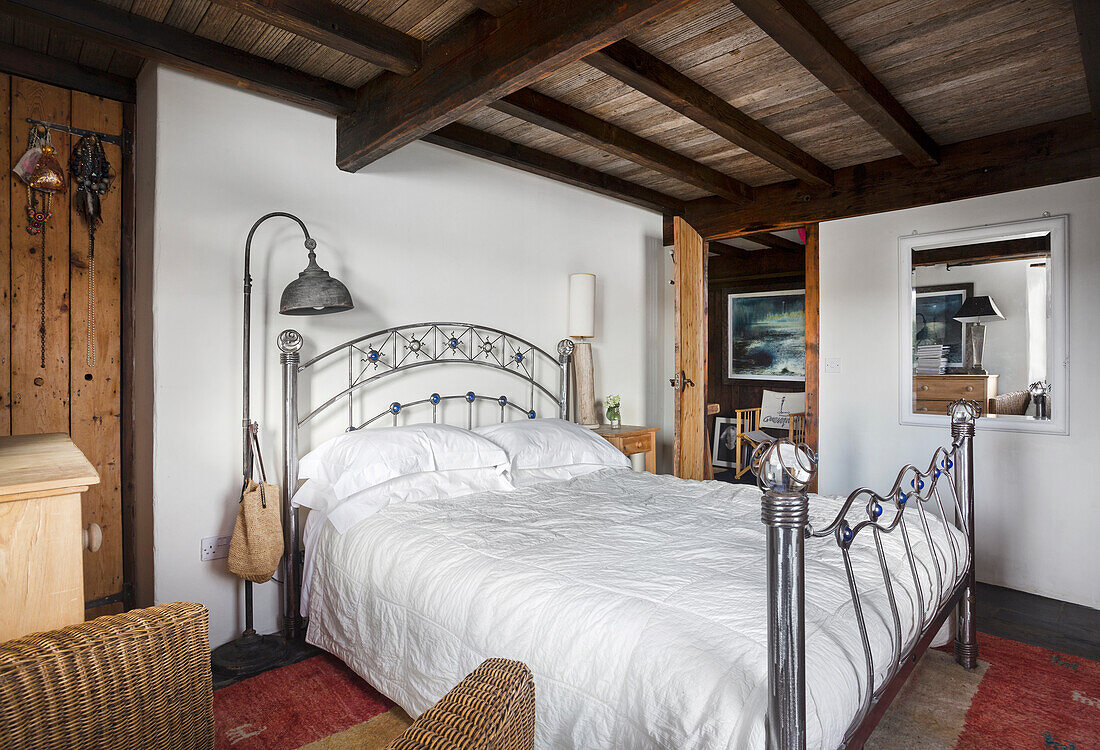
(496,7)
(55,71)
(1030,157)
(658,80)
(795,26)
(167,44)
(496,149)
(775,242)
(1087,13)
(549,113)
(480,62)
(1020,248)
(337,27)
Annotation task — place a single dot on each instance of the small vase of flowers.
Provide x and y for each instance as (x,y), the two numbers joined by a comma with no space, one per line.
(612,404)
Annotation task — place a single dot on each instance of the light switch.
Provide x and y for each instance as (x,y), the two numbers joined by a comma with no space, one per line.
(832,365)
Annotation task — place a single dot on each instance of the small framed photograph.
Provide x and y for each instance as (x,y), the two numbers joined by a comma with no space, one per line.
(725,442)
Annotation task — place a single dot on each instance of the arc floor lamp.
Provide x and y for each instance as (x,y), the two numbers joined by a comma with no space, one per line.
(314,292)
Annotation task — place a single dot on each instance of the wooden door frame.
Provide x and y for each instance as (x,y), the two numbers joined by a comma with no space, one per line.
(127,396)
(813,339)
(813,336)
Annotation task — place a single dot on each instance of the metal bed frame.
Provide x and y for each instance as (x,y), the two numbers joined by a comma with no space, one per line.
(784,471)
(382,354)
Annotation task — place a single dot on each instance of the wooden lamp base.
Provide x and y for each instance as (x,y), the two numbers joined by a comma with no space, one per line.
(586,391)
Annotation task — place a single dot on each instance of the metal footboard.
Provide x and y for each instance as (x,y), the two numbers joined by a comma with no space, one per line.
(784,470)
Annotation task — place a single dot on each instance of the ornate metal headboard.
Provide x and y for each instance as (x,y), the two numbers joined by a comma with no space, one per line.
(382,354)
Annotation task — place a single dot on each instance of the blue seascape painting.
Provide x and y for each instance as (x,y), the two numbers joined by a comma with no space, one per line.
(767,335)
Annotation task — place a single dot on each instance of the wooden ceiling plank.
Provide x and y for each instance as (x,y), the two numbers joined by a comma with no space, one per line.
(496,7)
(480,61)
(796,27)
(339,28)
(660,81)
(167,44)
(496,149)
(1029,157)
(546,112)
(1087,13)
(55,71)
(774,241)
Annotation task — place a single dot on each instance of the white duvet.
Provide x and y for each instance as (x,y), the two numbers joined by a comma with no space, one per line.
(638,602)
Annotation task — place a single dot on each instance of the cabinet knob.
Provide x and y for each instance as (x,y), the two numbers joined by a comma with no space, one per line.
(969,388)
(924,388)
(92,537)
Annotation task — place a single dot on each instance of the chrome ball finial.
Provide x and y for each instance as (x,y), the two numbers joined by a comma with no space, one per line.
(289,341)
(964,410)
(783,466)
(566,347)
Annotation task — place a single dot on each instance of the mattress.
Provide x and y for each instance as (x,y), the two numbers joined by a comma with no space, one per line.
(638,602)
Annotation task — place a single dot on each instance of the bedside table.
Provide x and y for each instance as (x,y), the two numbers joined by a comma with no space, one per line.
(631,439)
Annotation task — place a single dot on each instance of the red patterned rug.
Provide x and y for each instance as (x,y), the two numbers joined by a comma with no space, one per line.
(1021,697)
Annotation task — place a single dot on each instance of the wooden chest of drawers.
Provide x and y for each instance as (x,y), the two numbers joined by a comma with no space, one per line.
(41,551)
(933,393)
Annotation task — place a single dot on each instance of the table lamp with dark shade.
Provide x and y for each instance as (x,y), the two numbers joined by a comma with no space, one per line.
(977,311)
(314,292)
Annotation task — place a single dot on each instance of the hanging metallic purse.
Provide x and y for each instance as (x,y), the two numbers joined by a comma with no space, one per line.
(256,548)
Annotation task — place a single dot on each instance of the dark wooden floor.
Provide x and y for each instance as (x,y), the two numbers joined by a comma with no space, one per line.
(1061,626)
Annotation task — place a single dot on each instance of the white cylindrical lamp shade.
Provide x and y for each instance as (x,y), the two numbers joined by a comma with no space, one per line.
(582,305)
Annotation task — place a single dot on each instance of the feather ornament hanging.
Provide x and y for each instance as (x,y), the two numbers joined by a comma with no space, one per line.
(91,173)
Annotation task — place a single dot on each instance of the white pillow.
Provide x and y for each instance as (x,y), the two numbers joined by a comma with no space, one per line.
(419,487)
(538,445)
(359,460)
(776,409)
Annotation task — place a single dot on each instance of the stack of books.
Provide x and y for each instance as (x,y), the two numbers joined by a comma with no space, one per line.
(931,360)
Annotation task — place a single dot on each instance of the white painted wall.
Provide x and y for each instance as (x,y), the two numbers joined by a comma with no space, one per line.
(424,234)
(1038,517)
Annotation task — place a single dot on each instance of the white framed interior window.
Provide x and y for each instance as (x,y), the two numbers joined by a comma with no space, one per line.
(1008,348)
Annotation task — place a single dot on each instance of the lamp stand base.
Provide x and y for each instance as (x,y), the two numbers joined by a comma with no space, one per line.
(250,654)
(586,392)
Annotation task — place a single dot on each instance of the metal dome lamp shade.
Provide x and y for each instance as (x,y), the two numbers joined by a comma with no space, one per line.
(314,292)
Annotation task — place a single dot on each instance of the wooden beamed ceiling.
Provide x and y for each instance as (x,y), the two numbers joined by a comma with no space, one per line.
(741,115)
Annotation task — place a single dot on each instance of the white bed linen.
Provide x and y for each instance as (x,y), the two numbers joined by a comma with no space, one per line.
(638,602)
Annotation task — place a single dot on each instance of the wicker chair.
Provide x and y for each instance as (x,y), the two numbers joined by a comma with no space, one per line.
(140,679)
(492,709)
(1015,402)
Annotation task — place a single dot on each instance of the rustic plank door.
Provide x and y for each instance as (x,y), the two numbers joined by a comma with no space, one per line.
(692,454)
(54,380)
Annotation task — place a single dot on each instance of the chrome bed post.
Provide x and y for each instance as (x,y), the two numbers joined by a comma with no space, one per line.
(565,358)
(290,342)
(783,471)
(963,416)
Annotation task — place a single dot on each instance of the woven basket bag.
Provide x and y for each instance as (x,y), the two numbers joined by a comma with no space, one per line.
(256,547)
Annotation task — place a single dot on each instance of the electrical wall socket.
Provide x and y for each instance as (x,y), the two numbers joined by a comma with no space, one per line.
(832,365)
(215,547)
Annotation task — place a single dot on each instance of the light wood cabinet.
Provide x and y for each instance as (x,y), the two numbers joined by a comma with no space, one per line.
(41,570)
(933,393)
